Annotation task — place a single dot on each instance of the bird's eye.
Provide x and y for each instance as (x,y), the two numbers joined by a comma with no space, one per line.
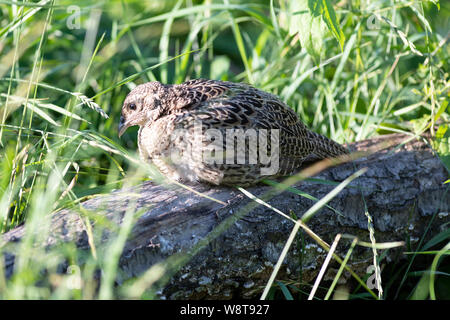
(132,106)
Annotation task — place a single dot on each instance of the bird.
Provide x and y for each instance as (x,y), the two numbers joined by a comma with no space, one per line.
(220,132)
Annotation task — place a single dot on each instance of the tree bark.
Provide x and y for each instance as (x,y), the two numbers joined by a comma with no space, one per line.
(402,191)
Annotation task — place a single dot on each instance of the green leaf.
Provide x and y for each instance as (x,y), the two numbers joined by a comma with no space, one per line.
(421,290)
(441,109)
(220,67)
(444,235)
(311,19)
(310,29)
(41,113)
(287,294)
(326,10)
(441,144)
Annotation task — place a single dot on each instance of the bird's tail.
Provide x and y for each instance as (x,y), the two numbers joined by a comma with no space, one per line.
(325,147)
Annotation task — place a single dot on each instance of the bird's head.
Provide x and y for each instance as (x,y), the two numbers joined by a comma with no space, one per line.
(143,104)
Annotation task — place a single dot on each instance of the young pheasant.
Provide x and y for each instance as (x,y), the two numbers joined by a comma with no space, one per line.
(220,132)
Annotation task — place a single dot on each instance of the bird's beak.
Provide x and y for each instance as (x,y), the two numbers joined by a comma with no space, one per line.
(122,126)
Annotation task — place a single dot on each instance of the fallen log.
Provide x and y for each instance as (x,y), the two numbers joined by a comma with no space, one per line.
(401,191)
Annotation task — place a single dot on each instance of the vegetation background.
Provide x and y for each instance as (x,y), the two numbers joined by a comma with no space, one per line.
(350,69)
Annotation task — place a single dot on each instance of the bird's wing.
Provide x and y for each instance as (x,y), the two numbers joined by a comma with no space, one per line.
(239,106)
(192,93)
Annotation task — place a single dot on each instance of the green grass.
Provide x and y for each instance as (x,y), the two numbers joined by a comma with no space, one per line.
(350,69)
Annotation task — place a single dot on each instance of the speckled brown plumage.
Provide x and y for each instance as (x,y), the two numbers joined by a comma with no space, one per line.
(170,117)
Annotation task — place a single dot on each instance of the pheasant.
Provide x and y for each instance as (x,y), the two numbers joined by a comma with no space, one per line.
(220,132)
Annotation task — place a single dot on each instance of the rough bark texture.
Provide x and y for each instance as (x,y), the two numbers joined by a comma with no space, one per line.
(402,190)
